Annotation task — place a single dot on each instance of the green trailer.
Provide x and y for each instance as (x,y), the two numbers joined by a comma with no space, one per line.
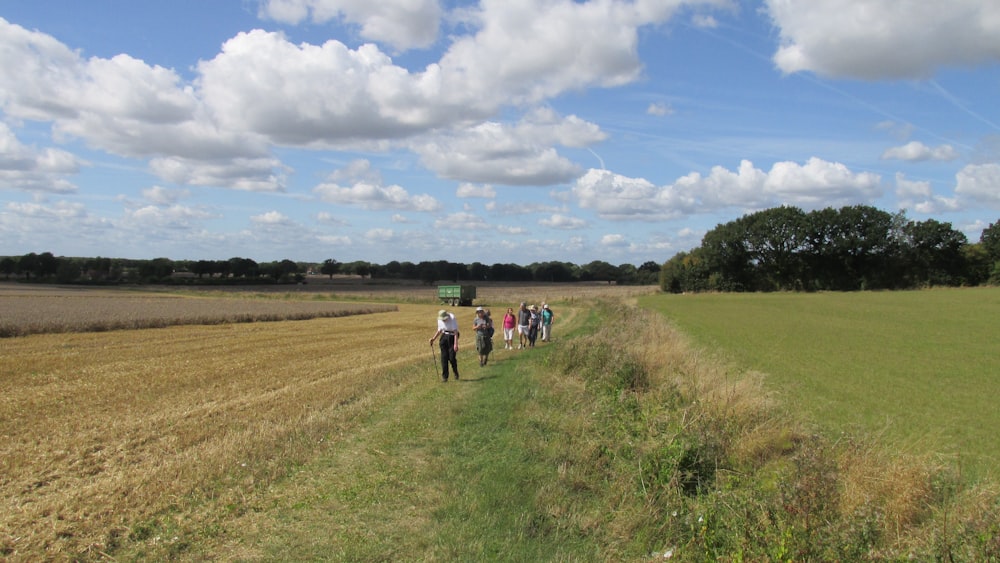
(457,295)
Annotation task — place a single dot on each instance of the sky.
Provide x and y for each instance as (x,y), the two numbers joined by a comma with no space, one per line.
(498,131)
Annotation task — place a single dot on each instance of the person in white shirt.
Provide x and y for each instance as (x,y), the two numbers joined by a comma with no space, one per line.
(447,329)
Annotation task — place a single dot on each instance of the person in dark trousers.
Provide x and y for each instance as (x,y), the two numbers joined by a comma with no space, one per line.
(523,322)
(448,331)
(534,322)
(483,326)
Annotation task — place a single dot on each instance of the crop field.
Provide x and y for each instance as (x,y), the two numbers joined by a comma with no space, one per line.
(100,431)
(32,309)
(919,368)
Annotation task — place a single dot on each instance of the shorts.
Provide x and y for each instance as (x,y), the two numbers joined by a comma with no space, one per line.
(508,333)
(522,329)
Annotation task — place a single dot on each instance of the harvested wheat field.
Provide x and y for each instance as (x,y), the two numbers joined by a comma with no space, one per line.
(105,434)
(100,431)
(30,309)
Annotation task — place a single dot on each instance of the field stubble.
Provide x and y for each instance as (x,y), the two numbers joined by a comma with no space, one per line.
(104,435)
(99,431)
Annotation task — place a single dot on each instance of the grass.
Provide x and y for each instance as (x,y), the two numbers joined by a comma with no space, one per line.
(916,368)
(291,441)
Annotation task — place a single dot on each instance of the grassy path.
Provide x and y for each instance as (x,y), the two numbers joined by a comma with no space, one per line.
(442,473)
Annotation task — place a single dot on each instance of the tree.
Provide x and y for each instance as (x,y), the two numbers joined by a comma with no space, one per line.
(330,267)
(599,270)
(774,241)
(156,269)
(8,266)
(727,258)
(934,253)
(990,239)
(686,271)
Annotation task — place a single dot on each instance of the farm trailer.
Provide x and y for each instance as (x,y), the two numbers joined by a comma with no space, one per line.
(456,295)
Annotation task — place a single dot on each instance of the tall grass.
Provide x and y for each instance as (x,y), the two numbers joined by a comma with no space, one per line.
(917,368)
(693,461)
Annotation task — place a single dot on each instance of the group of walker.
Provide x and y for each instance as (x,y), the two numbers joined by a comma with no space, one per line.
(528,322)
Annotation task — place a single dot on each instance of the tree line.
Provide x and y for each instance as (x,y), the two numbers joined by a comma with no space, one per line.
(851,248)
(46,267)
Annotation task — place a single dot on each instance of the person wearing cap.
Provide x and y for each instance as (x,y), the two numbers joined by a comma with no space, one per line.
(547,315)
(534,320)
(447,329)
(523,323)
(484,342)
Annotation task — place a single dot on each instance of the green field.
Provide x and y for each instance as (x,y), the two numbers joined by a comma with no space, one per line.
(919,368)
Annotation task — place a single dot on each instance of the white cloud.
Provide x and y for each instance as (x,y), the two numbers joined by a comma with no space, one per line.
(365,190)
(404,24)
(659,109)
(884,39)
(462,221)
(918,196)
(254,175)
(614,240)
(559,221)
(471,190)
(164,217)
(33,170)
(816,184)
(159,195)
(915,151)
(60,211)
(271,218)
(979,183)
(380,235)
(704,21)
(495,153)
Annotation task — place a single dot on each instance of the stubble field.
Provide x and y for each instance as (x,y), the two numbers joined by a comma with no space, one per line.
(101,431)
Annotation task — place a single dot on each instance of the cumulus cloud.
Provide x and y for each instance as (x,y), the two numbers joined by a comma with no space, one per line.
(920,197)
(511,154)
(614,240)
(364,189)
(403,24)
(818,183)
(165,217)
(472,190)
(463,220)
(979,183)
(884,39)
(159,195)
(34,170)
(915,151)
(560,221)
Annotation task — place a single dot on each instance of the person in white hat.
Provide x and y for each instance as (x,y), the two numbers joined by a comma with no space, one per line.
(484,342)
(448,331)
(547,315)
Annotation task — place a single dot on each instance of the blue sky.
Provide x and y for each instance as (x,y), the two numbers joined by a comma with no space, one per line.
(501,131)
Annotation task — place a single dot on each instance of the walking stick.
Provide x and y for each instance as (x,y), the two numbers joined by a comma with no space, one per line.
(433,355)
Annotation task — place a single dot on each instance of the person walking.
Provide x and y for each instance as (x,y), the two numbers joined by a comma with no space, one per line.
(484,342)
(447,329)
(547,315)
(534,320)
(509,326)
(523,322)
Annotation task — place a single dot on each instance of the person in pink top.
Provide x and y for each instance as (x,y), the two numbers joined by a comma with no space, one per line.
(509,324)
